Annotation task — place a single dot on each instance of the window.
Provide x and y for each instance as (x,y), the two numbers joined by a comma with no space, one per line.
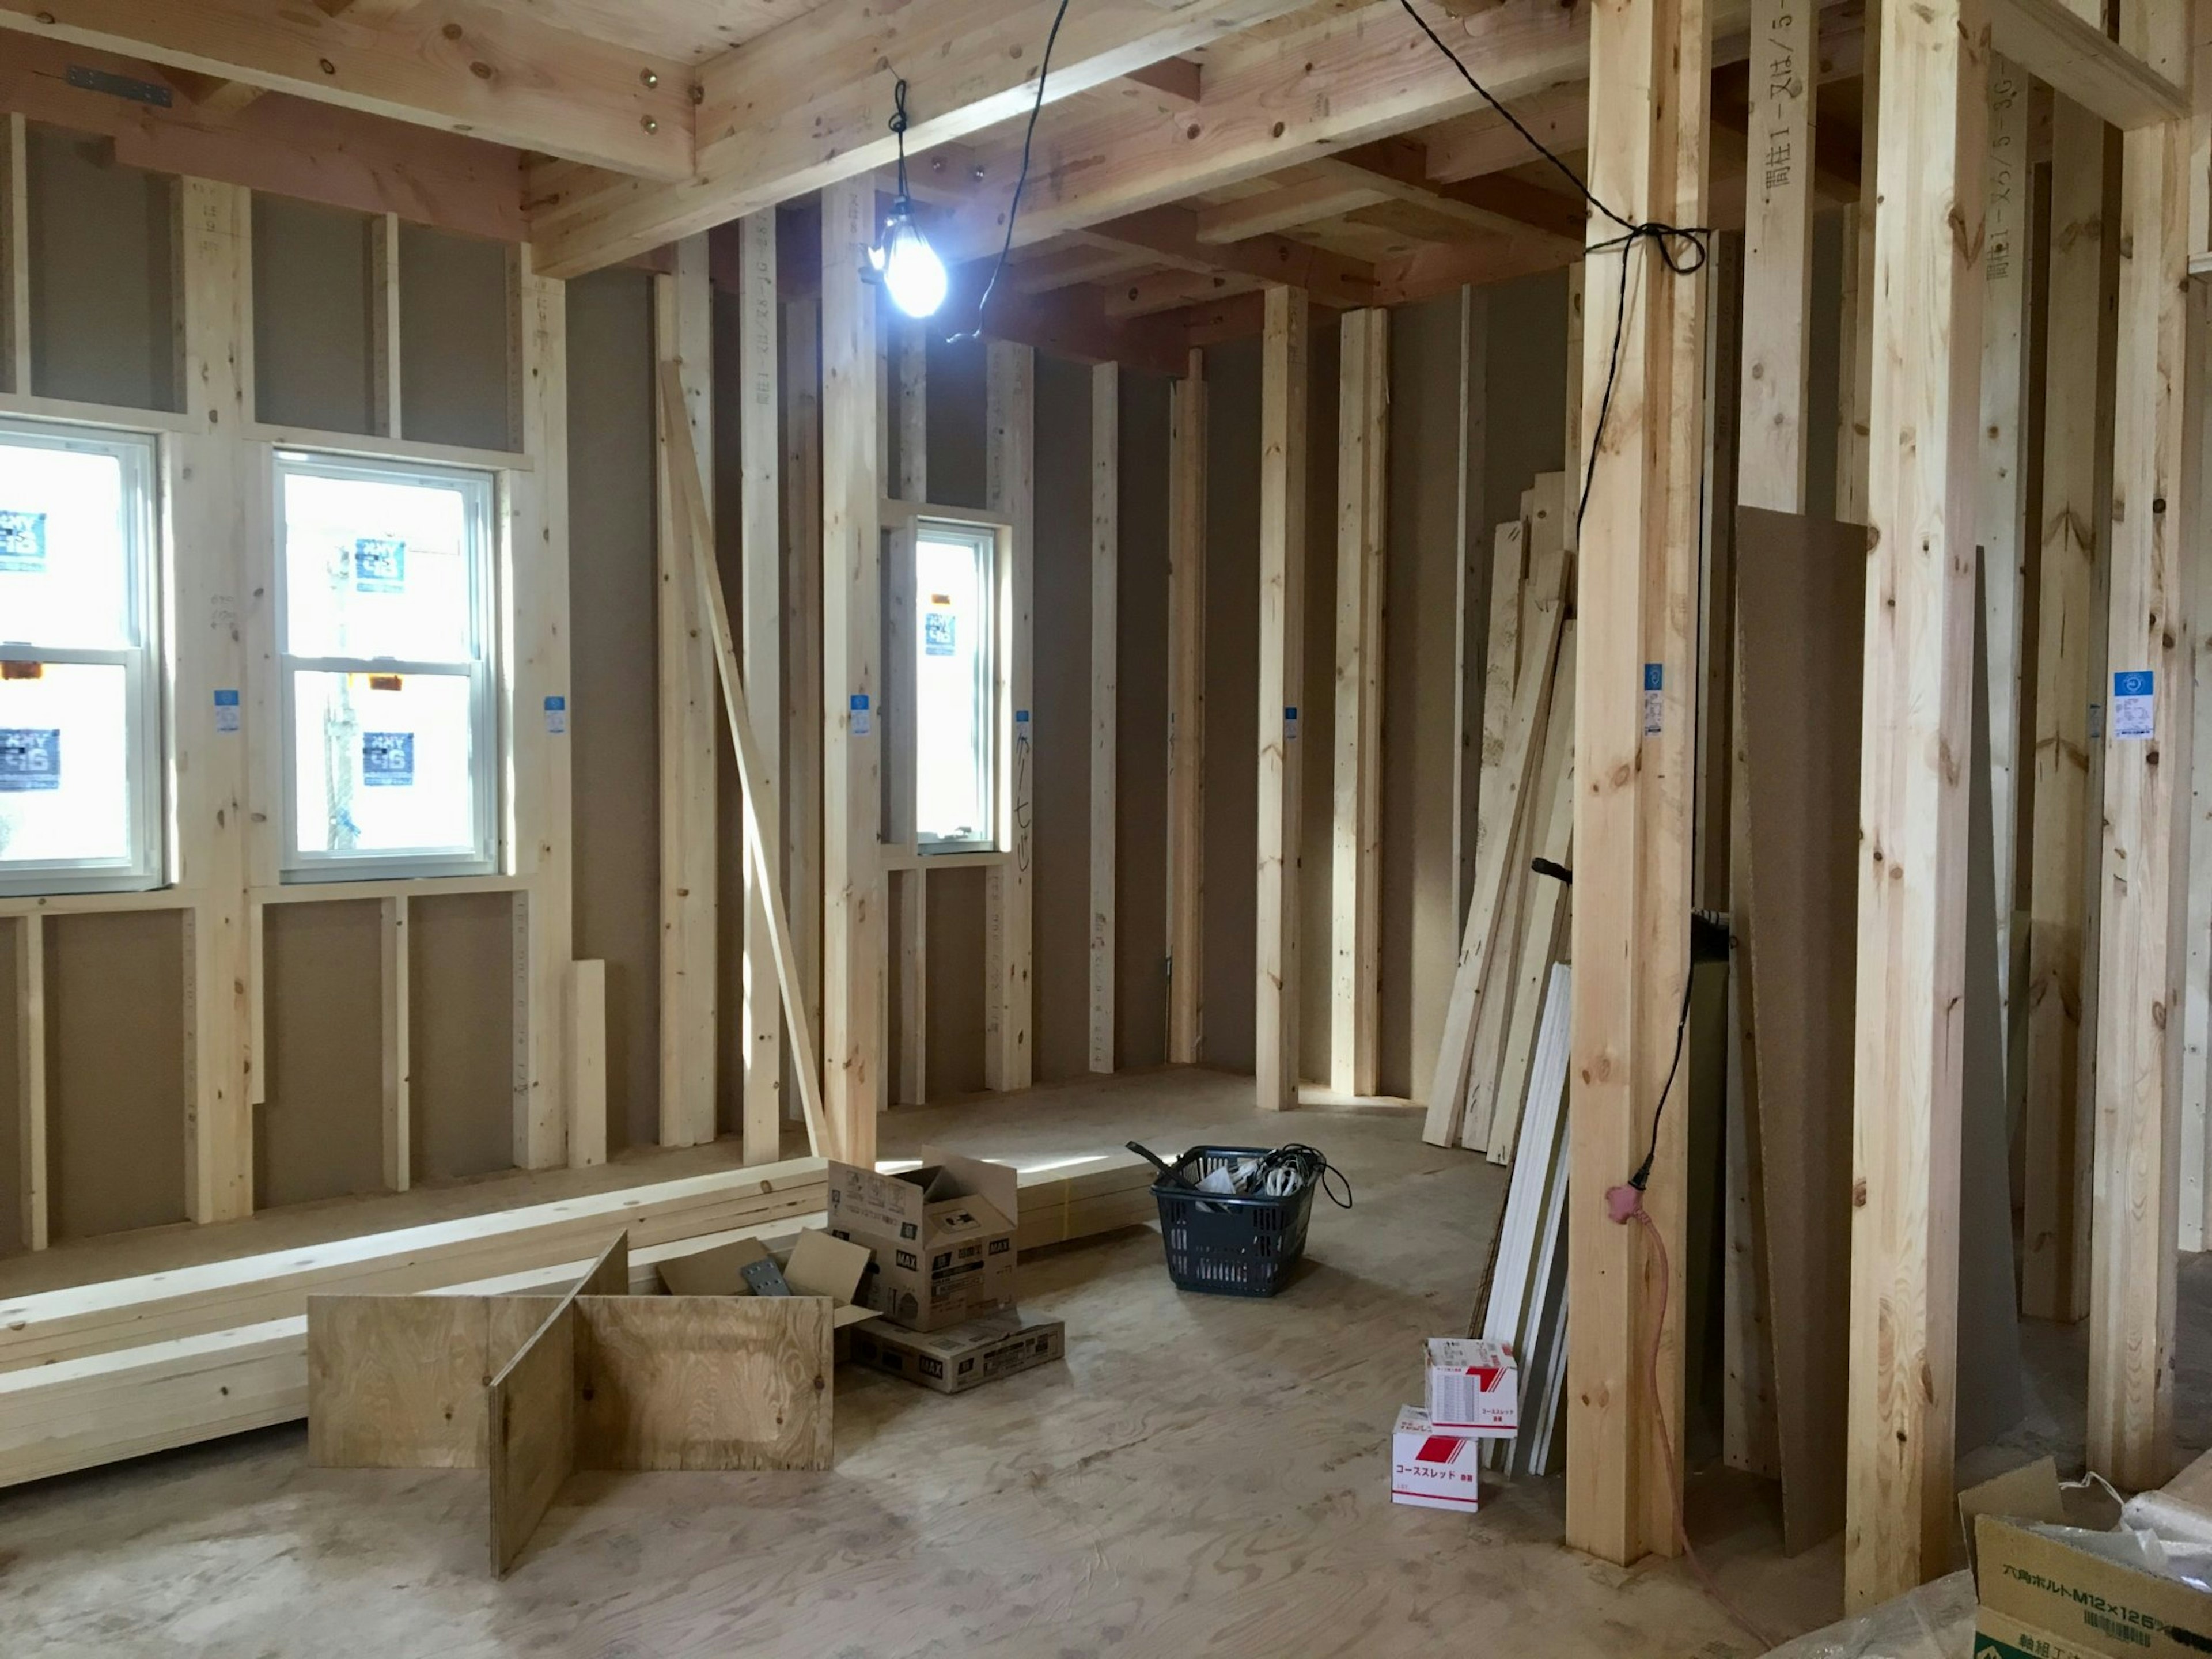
(956,685)
(80,711)
(390,741)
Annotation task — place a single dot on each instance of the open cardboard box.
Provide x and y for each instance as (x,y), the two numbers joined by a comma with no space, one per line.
(815,1264)
(941,1236)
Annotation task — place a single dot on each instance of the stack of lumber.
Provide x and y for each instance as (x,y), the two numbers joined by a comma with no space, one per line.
(1075,1200)
(1516,927)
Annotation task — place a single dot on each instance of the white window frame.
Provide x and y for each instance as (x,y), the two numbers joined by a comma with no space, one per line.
(486,763)
(907,525)
(143,734)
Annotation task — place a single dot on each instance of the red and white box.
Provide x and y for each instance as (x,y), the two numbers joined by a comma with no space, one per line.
(1432,1469)
(1474,1387)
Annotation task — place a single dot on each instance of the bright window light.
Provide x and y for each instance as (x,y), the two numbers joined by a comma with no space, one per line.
(391,742)
(80,725)
(955,657)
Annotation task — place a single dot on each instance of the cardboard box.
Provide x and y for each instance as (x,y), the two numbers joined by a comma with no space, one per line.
(817,1265)
(1474,1387)
(1429,1468)
(942,1237)
(2036,1588)
(964,1357)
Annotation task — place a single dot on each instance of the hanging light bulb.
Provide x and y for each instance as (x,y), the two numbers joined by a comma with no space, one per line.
(903,258)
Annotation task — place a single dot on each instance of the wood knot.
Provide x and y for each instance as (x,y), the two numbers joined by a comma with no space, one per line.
(1859,1194)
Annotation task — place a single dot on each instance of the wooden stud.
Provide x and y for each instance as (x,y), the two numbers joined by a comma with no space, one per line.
(683,334)
(1356,875)
(385,389)
(1010,446)
(2056,1127)
(550,1128)
(1717,569)
(1105,625)
(217,510)
(760,556)
(852,879)
(1637,563)
(391,1002)
(15,257)
(905,390)
(2146,812)
(2001,518)
(803,693)
(1854,334)
(1575,440)
(34,1193)
(1467,525)
(1284,356)
(1777,256)
(585,1058)
(1186,838)
(1926,347)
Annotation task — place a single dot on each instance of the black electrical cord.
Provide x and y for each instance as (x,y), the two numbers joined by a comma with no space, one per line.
(898,131)
(1684,249)
(1021,180)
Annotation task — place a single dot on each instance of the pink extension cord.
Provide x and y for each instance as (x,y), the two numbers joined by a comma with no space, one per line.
(1623,1204)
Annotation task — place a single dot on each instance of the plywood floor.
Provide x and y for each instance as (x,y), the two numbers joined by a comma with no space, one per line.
(1202,1476)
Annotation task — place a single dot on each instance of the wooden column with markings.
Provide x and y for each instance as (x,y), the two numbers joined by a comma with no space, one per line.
(1186,840)
(1922,483)
(1355,868)
(683,334)
(1011,442)
(761,571)
(1105,610)
(2145,841)
(1637,564)
(853,931)
(1284,354)
(1777,257)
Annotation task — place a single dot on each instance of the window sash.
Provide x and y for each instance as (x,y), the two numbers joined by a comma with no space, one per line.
(982,545)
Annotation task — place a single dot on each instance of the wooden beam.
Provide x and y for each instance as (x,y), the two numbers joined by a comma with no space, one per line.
(1172,234)
(1493,201)
(391,1002)
(1355,869)
(2055,1128)
(853,933)
(2145,813)
(1926,347)
(15,257)
(2054,42)
(806,105)
(1284,355)
(684,663)
(213,95)
(1310,199)
(1637,569)
(466,69)
(760,557)
(1105,753)
(1179,80)
(35,1188)
(1010,451)
(1777,269)
(1186,829)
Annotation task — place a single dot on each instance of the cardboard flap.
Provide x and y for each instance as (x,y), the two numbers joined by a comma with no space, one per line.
(718,1272)
(823,1266)
(2029,1493)
(997,1184)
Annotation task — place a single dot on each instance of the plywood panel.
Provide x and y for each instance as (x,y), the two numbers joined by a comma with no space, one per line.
(1232,667)
(320,1133)
(1060,882)
(461,1031)
(703,1383)
(531,1434)
(313,356)
(115,1071)
(1141,723)
(398,1382)
(102,304)
(611,719)
(453,341)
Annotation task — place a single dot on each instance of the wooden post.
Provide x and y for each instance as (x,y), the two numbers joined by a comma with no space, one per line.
(1926,347)
(1574,438)
(852,875)
(803,693)
(1012,449)
(1355,869)
(682,334)
(1470,528)
(1637,564)
(2056,1130)
(15,257)
(36,1182)
(391,1002)
(2145,843)
(1105,596)
(760,556)
(1186,709)
(906,391)
(1778,242)
(384,391)
(1854,335)
(217,511)
(1282,671)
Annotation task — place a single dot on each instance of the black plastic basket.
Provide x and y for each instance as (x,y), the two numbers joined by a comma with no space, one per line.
(1225,1246)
